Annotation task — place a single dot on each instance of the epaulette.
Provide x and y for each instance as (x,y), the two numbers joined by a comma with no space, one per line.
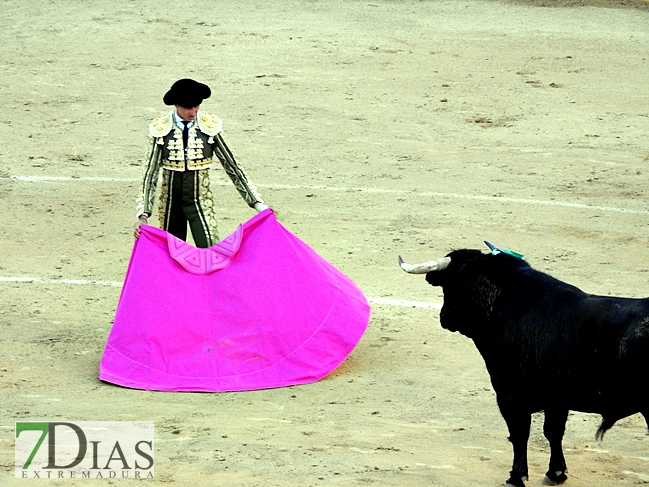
(209,124)
(161,126)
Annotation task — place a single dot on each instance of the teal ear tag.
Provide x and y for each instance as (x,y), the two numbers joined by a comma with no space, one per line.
(495,250)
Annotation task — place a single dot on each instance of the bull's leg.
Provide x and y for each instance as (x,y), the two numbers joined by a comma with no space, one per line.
(518,424)
(553,429)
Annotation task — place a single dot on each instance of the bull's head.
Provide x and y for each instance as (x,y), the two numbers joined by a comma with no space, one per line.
(472,283)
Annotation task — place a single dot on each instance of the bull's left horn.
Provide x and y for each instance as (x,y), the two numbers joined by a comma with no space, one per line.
(433,265)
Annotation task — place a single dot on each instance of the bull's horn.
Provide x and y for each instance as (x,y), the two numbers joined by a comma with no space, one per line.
(433,265)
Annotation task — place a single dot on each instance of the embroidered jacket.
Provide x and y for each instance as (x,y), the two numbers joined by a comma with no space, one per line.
(205,141)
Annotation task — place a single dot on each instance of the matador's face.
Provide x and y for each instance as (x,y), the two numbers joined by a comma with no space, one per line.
(187,114)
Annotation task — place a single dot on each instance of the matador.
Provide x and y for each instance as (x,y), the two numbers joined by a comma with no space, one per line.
(183,145)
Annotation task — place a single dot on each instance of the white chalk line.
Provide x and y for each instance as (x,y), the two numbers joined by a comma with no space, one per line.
(343,189)
(90,282)
(44,280)
(406,304)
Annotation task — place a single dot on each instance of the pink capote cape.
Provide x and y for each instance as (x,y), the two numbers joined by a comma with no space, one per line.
(260,309)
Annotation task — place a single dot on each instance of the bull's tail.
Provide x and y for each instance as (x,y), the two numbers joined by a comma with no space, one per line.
(607,424)
(609,420)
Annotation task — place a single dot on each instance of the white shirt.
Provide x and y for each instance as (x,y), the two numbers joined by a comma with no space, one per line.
(180,123)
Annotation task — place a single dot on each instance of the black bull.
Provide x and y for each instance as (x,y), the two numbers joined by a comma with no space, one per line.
(547,345)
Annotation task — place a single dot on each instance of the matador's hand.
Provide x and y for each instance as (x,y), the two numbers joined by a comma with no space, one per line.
(136,228)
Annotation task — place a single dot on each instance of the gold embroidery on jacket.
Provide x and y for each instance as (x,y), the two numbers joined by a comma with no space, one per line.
(175,146)
(195,152)
(207,203)
(209,124)
(195,145)
(161,126)
(163,204)
(193,165)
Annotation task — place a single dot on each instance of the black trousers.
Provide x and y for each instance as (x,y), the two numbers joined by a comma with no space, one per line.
(184,207)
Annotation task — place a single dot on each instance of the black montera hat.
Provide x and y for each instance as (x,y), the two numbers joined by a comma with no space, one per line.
(187,93)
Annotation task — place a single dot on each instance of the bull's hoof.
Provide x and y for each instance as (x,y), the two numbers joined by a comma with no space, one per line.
(515,482)
(555,478)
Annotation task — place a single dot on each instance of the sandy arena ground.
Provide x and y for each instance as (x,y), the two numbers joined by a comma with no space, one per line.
(375,128)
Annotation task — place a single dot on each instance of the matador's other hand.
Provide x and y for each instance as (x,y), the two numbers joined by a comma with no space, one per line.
(262,207)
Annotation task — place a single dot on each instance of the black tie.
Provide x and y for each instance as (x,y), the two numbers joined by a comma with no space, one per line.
(185,135)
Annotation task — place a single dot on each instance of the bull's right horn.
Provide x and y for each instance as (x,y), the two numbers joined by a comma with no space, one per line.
(433,265)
